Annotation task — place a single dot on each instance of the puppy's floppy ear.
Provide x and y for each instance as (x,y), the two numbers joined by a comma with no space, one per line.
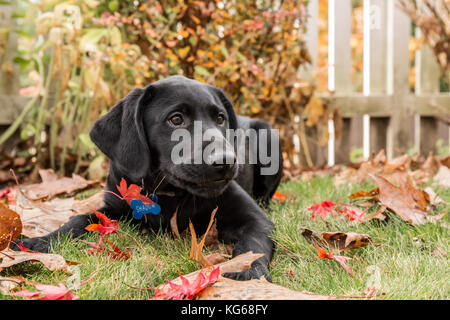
(228,107)
(120,134)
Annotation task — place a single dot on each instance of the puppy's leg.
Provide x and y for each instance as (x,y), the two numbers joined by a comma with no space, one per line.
(265,185)
(242,222)
(74,228)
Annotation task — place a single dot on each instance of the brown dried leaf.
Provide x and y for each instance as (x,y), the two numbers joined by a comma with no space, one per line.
(345,241)
(51,261)
(340,241)
(52,186)
(9,283)
(405,200)
(312,237)
(364,194)
(10,226)
(87,205)
(442,178)
(40,218)
(215,258)
(427,170)
(174,224)
(196,253)
(434,198)
(256,289)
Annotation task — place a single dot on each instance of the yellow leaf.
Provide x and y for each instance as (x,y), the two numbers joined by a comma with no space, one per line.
(315,110)
(209,64)
(183,52)
(255,109)
(195,19)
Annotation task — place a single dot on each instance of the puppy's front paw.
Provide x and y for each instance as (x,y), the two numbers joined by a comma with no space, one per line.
(40,244)
(256,272)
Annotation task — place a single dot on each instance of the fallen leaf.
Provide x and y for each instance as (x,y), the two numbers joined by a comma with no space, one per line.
(213,243)
(186,290)
(405,201)
(239,263)
(255,289)
(322,209)
(132,192)
(118,254)
(426,170)
(339,241)
(196,252)
(351,213)
(331,256)
(7,194)
(50,292)
(108,226)
(174,224)
(215,258)
(9,283)
(89,204)
(51,185)
(278,196)
(345,241)
(10,226)
(434,198)
(442,178)
(394,170)
(364,194)
(51,261)
(40,218)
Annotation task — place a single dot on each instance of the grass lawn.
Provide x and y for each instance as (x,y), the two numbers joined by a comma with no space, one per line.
(411,261)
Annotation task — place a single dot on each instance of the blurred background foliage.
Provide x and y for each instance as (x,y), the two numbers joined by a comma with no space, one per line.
(77,58)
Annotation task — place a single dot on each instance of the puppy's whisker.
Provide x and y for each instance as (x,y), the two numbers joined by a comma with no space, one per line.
(159,184)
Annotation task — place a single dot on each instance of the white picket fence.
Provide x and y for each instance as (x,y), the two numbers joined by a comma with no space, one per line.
(388,114)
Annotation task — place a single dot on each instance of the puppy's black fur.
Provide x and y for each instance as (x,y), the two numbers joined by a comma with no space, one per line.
(135,135)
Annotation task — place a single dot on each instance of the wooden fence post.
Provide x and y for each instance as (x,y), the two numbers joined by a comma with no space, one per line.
(426,82)
(340,70)
(400,124)
(9,84)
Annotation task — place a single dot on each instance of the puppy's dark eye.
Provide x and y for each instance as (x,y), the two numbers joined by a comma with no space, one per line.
(176,119)
(220,119)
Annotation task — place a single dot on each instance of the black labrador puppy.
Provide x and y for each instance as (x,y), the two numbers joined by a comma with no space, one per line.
(137,136)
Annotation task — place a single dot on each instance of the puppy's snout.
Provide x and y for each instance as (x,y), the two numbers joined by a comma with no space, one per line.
(223,162)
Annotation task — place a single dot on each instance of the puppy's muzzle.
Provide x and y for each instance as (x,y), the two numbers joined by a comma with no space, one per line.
(223,163)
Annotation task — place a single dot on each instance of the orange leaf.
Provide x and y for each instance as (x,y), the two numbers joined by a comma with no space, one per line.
(278,196)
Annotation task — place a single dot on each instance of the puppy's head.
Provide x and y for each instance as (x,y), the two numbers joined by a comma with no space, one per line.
(176,126)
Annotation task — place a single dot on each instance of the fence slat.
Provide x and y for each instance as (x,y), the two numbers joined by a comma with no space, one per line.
(9,81)
(426,82)
(378,46)
(400,133)
(311,37)
(341,50)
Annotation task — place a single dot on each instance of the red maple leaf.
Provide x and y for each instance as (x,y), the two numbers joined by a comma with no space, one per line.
(22,248)
(340,259)
(351,214)
(187,290)
(132,192)
(322,209)
(50,292)
(8,194)
(108,226)
(115,254)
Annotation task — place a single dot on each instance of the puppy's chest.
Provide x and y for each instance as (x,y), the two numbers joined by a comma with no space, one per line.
(182,210)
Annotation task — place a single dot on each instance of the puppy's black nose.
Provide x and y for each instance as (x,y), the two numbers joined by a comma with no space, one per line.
(223,162)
